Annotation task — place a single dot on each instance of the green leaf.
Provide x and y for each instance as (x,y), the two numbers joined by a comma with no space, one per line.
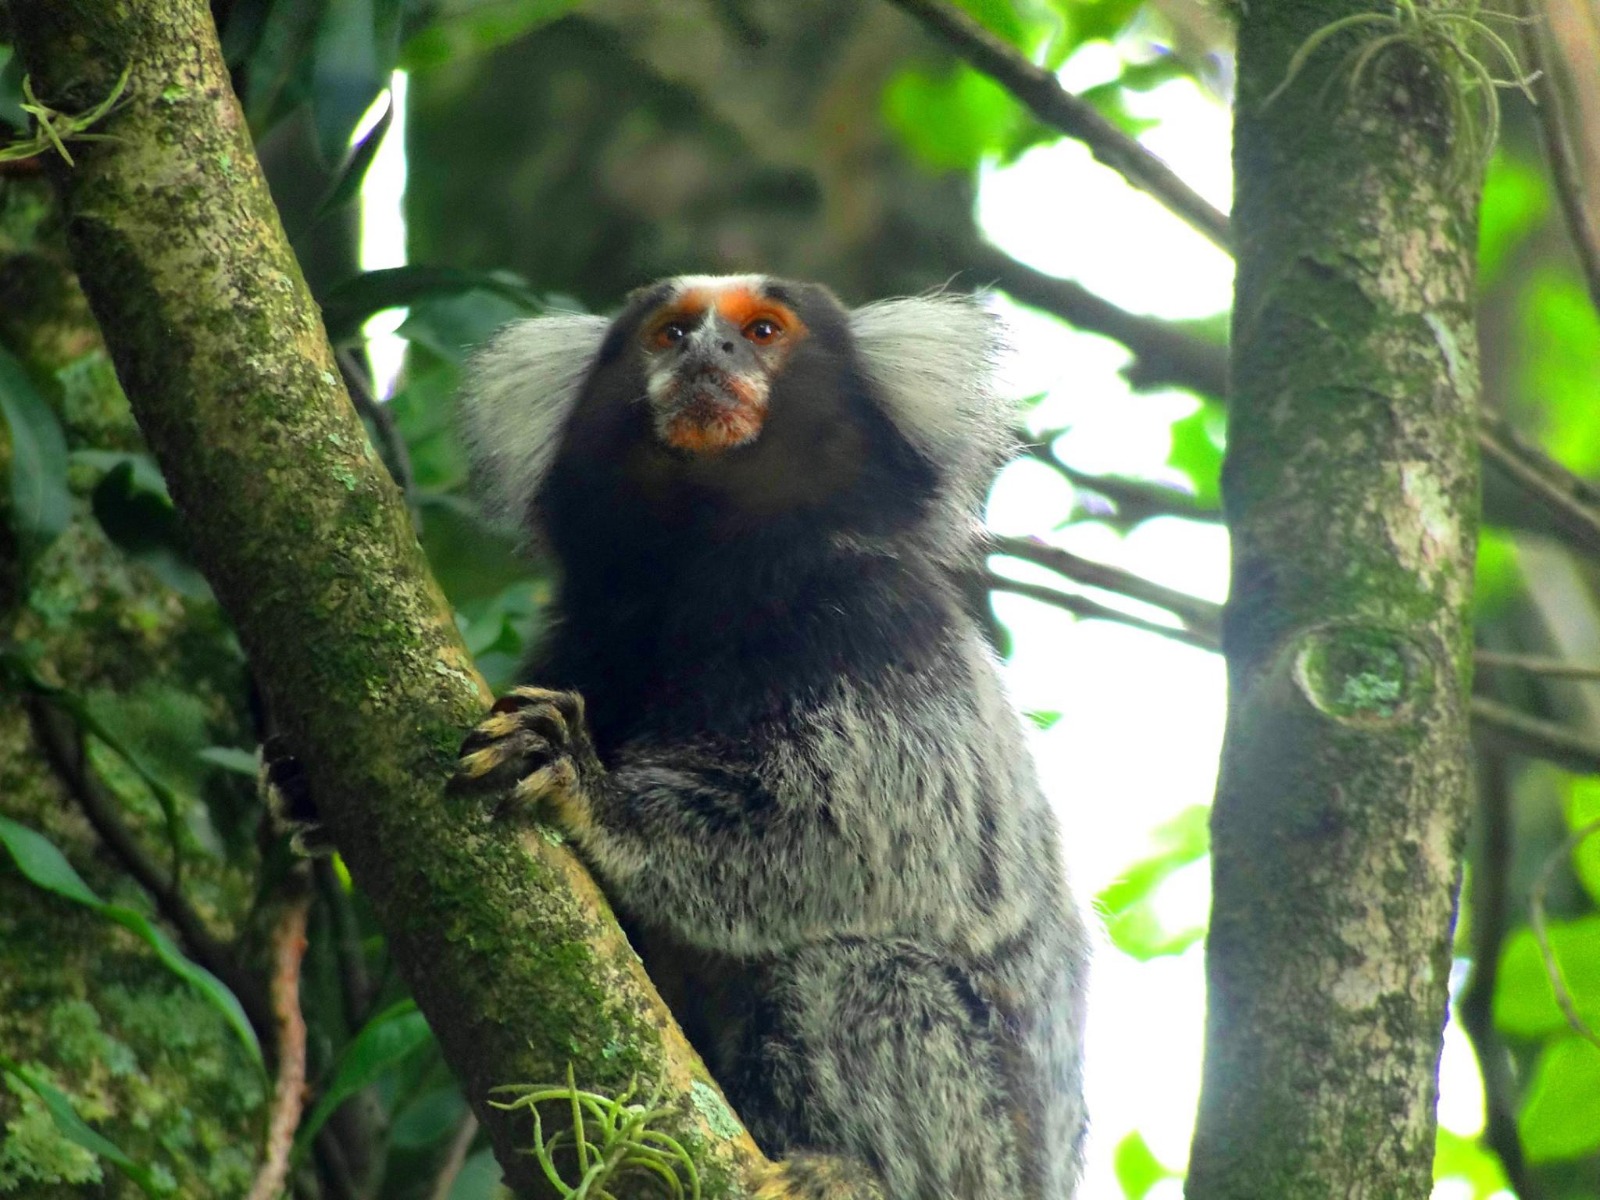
(1583,809)
(1560,336)
(41,505)
(145,474)
(1524,1004)
(1458,1157)
(229,758)
(1100,20)
(46,867)
(215,992)
(73,1128)
(347,184)
(1043,720)
(953,121)
(383,1043)
(355,49)
(451,327)
(350,303)
(142,522)
(277,59)
(1515,200)
(1129,903)
(1138,1169)
(479,1178)
(1561,1118)
(1197,445)
(464,28)
(1498,579)
(428,1119)
(11,98)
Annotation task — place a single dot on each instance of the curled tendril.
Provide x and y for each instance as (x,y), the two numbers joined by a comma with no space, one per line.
(1442,35)
(609,1137)
(53,129)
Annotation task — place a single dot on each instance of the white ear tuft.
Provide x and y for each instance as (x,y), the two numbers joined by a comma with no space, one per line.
(520,388)
(932,360)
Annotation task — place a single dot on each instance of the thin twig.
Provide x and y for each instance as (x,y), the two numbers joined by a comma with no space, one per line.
(1571,501)
(1163,354)
(1536,664)
(289,1093)
(1203,617)
(1536,918)
(1082,606)
(1564,170)
(455,1157)
(1038,89)
(1517,731)
(1136,499)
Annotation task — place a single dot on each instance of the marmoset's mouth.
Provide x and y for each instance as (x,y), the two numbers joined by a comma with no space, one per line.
(712,411)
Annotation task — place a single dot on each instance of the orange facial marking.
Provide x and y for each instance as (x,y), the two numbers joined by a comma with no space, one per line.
(745,309)
(760,319)
(706,427)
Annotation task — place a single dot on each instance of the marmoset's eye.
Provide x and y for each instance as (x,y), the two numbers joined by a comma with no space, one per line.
(762,330)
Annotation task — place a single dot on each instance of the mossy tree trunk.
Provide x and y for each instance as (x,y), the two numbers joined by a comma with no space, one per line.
(1351,491)
(509,948)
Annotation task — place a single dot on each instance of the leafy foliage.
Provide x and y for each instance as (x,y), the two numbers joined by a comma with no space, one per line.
(309,71)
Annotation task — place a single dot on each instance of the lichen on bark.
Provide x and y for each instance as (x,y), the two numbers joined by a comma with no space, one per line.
(1350,487)
(508,946)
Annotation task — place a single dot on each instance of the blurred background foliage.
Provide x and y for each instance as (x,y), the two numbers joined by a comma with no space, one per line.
(562,153)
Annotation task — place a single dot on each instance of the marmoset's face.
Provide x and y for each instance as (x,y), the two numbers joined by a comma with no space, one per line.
(711,351)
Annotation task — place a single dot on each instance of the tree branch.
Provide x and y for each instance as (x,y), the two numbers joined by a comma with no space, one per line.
(1135,499)
(1514,730)
(1565,172)
(508,947)
(1164,355)
(1572,502)
(1535,664)
(1082,606)
(1037,88)
(1202,617)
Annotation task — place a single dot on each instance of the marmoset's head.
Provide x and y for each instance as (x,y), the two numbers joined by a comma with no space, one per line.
(726,405)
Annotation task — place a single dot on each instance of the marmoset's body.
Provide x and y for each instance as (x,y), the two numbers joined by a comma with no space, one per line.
(797,776)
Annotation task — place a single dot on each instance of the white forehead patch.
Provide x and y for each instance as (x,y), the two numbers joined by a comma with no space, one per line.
(716,283)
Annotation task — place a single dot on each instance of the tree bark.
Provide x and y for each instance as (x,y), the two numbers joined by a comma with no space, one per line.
(509,948)
(1350,487)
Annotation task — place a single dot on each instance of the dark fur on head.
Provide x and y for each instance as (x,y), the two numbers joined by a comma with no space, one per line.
(884,420)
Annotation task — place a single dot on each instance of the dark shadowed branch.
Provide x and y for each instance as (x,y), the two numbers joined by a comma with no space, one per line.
(1201,617)
(1163,354)
(1491,855)
(1571,502)
(1082,606)
(1514,730)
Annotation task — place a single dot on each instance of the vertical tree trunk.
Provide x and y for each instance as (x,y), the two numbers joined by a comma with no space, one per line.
(1351,491)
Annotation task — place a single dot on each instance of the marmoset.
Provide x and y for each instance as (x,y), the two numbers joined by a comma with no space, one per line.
(768,720)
